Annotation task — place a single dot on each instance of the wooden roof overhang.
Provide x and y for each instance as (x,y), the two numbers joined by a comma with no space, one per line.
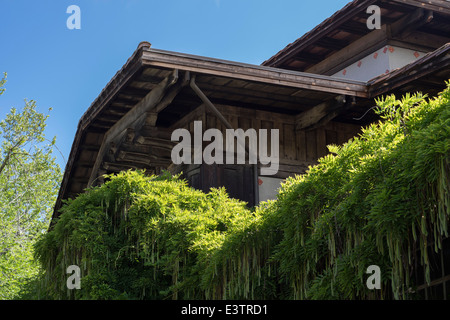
(224,82)
(137,110)
(427,75)
(344,38)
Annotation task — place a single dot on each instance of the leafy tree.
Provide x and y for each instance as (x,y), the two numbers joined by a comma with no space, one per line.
(29,181)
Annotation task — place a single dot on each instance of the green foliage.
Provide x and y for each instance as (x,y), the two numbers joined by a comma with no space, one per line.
(372,201)
(138,237)
(379,199)
(2,83)
(29,182)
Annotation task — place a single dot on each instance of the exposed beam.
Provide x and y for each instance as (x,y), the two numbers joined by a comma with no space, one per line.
(357,49)
(209,104)
(155,142)
(151,118)
(410,23)
(122,141)
(321,114)
(83,164)
(424,39)
(105,119)
(436,5)
(315,34)
(371,42)
(146,104)
(110,92)
(172,93)
(331,43)
(154,132)
(266,93)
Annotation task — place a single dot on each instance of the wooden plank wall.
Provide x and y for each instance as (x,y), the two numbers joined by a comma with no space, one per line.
(298,149)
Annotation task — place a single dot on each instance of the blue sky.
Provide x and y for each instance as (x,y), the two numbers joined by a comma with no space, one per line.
(67,69)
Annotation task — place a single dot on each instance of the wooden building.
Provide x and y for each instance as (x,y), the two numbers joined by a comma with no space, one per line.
(306,91)
(316,91)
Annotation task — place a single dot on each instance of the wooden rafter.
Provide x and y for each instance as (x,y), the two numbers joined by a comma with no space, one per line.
(372,41)
(437,5)
(330,24)
(130,119)
(322,113)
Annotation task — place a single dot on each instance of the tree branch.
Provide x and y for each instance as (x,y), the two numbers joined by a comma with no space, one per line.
(11,153)
(5,161)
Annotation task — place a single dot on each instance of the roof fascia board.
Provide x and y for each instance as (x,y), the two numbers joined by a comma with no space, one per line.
(242,71)
(428,64)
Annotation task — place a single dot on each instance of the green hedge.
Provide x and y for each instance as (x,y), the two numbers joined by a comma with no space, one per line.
(373,200)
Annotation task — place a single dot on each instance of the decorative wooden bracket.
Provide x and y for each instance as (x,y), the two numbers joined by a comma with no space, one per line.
(159,98)
(322,113)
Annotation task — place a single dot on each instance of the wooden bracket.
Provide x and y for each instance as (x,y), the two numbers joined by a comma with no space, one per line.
(131,119)
(322,113)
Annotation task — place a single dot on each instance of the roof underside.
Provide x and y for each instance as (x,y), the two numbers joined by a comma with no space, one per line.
(424,31)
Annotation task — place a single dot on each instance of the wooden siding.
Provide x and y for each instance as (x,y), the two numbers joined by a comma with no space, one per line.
(298,148)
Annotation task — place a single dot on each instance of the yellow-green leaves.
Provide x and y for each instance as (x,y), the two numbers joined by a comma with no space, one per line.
(137,227)
(2,83)
(29,182)
(380,199)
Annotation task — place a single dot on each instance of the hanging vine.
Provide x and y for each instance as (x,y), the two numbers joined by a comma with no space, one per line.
(380,199)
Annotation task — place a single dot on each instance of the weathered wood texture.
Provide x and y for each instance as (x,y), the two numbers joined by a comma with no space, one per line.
(344,37)
(298,148)
(238,180)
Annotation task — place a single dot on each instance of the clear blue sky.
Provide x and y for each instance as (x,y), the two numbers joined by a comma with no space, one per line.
(66,69)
